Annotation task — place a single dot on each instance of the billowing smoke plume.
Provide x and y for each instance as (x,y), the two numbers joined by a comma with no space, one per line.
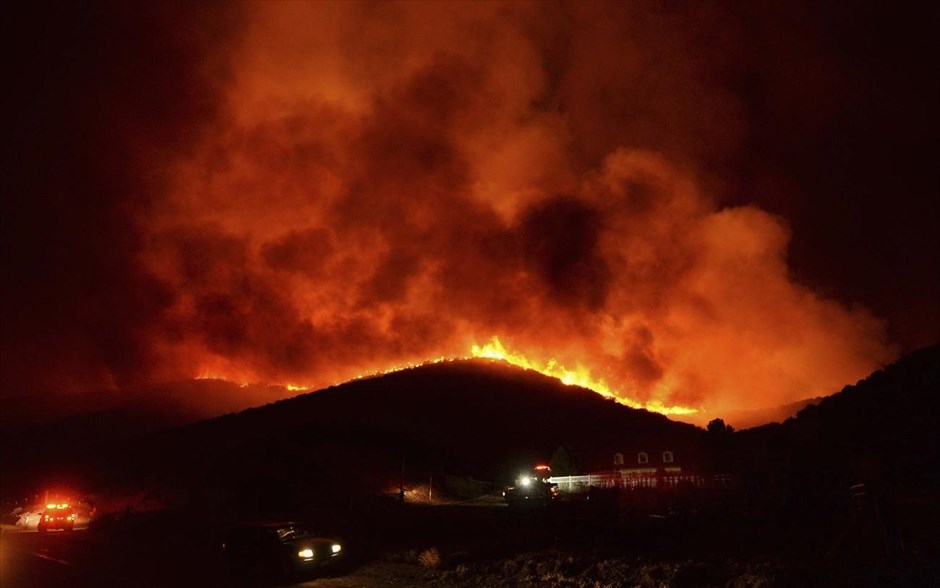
(393,183)
(299,193)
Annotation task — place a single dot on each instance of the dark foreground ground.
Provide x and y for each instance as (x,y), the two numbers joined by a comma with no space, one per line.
(486,544)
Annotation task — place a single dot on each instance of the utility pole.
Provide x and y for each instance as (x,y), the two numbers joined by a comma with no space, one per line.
(401,481)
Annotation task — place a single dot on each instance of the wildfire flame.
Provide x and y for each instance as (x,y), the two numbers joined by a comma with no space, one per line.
(497,351)
(330,222)
(333,188)
(580,376)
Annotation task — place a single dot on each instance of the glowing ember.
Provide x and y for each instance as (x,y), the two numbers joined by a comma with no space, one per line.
(577,377)
(242,381)
(402,367)
(496,350)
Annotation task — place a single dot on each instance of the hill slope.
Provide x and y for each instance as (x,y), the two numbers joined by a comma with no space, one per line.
(464,418)
(881,432)
(471,414)
(473,418)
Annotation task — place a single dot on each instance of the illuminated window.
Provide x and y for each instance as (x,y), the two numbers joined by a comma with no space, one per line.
(667,457)
(642,457)
(618,459)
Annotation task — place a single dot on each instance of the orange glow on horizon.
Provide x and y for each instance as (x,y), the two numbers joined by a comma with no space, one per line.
(497,351)
(354,213)
(580,376)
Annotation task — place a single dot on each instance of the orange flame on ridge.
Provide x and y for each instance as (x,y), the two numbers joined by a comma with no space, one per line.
(359,214)
(581,376)
(497,351)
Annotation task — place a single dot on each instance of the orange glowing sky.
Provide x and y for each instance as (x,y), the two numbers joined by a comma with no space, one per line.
(309,192)
(387,187)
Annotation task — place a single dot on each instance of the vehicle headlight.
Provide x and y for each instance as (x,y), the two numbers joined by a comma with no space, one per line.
(525,481)
(336,548)
(305,553)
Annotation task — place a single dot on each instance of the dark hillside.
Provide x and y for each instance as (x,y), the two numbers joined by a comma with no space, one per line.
(470,418)
(891,417)
(871,450)
(55,450)
(476,417)
(747,419)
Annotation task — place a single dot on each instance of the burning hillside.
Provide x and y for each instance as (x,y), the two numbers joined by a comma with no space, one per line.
(307,193)
(334,223)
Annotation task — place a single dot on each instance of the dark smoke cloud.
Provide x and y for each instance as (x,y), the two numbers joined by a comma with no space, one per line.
(299,193)
(560,237)
(100,96)
(305,252)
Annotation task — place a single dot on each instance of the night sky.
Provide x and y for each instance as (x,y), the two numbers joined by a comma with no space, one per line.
(717,205)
